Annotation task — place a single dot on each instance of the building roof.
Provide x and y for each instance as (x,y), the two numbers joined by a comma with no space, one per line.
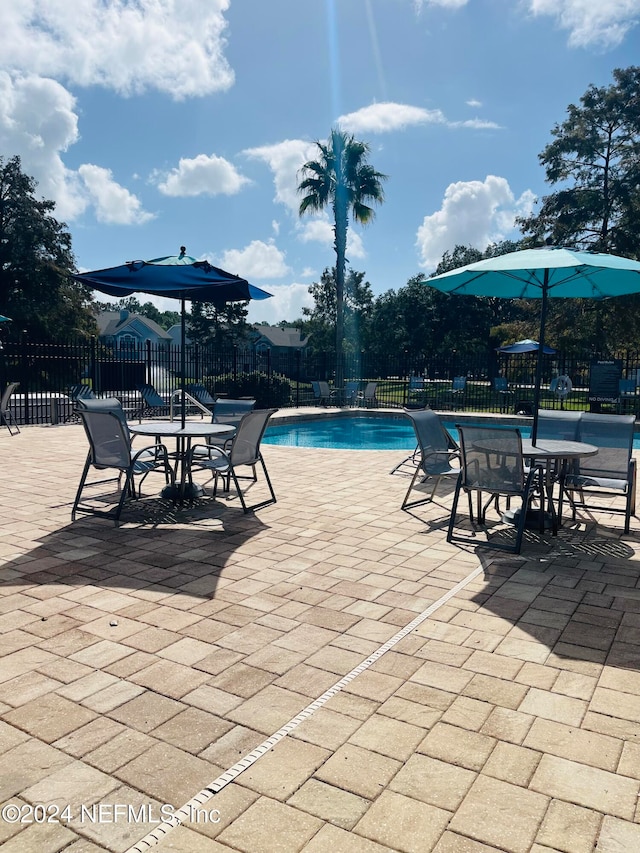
(277,337)
(111,323)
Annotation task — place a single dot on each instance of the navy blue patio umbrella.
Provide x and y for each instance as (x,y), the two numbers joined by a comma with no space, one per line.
(551,271)
(177,277)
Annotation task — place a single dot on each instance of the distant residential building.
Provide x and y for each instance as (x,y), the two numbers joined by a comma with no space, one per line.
(128,333)
(278,340)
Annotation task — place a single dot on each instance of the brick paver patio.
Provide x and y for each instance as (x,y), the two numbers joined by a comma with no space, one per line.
(138,664)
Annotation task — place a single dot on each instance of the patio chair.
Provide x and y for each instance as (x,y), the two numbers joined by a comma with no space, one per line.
(454,396)
(492,463)
(322,393)
(628,393)
(228,411)
(560,387)
(109,439)
(244,450)
(368,396)
(6,415)
(504,393)
(152,403)
(611,472)
(434,455)
(351,390)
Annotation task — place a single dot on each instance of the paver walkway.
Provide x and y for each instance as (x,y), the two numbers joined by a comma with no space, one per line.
(138,664)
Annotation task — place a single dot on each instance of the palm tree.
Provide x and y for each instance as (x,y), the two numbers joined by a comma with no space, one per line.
(342,178)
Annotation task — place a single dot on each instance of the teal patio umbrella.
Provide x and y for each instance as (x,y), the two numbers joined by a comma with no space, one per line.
(551,271)
(4,319)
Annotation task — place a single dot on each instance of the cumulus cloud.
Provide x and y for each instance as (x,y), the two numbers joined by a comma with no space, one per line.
(473,213)
(604,24)
(174,46)
(114,204)
(286,303)
(387,117)
(201,175)
(257,260)
(285,159)
(320,230)
(382,118)
(38,121)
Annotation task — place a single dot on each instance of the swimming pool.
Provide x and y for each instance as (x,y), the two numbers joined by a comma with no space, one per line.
(356,433)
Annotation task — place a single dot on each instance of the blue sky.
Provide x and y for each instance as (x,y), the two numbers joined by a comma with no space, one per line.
(159,123)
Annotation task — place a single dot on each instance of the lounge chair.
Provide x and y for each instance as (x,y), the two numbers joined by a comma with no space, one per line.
(152,403)
(244,450)
(200,393)
(109,439)
(493,465)
(6,415)
(434,455)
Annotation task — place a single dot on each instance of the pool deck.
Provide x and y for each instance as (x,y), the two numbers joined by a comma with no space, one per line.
(326,675)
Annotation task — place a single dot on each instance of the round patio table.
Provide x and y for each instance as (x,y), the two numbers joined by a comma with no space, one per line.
(185,488)
(555,454)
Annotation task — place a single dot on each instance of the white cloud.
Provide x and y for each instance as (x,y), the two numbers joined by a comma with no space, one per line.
(285,159)
(604,23)
(114,204)
(201,175)
(320,230)
(286,303)
(473,213)
(382,118)
(472,102)
(175,46)
(446,4)
(38,122)
(257,260)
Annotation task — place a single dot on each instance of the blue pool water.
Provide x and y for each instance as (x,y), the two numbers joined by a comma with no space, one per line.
(361,433)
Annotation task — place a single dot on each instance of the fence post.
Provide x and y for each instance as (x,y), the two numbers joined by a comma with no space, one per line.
(298,357)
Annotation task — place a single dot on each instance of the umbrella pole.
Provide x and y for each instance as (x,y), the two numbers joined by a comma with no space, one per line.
(538,383)
(183,360)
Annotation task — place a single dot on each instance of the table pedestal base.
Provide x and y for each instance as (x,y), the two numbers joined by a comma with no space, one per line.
(532,522)
(190,492)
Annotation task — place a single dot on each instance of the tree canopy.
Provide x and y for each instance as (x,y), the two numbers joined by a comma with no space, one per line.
(36,263)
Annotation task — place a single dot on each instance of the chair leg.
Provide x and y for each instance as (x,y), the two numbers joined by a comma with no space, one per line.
(83,479)
(454,507)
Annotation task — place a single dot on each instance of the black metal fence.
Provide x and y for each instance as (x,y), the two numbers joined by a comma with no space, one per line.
(46,371)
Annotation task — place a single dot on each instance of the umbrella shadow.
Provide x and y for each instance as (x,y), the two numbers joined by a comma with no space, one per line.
(158,547)
(573,598)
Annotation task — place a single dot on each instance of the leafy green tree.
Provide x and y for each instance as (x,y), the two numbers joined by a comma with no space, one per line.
(218,325)
(594,159)
(341,178)
(320,322)
(36,263)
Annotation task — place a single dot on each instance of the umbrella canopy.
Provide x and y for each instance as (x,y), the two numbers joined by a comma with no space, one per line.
(177,277)
(525,346)
(539,274)
(4,319)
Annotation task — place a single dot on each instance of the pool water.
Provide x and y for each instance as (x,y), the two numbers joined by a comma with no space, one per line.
(361,433)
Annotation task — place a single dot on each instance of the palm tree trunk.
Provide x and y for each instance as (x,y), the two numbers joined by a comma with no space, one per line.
(340,245)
